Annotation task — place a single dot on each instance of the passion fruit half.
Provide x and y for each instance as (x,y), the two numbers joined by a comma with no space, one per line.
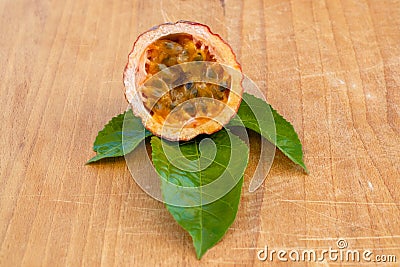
(182,80)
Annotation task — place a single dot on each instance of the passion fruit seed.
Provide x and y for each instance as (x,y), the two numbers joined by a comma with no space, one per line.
(170,51)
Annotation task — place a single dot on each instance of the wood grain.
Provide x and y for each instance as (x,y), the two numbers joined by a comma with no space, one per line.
(330,67)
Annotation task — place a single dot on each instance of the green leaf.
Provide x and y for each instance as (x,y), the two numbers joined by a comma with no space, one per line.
(117,138)
(254,114)
(202,193)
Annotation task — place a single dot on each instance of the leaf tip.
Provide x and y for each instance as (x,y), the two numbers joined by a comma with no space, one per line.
(303,166)
(94,159)
(199,252)
(90,161)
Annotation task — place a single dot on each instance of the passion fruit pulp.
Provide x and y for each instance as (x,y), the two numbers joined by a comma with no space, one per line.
(161,89)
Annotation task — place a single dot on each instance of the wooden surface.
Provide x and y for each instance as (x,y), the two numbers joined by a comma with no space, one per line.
(331,67)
